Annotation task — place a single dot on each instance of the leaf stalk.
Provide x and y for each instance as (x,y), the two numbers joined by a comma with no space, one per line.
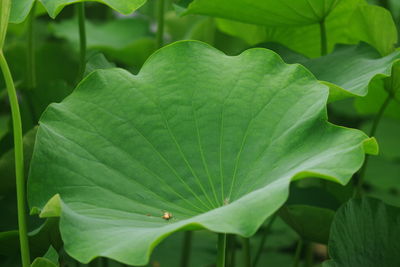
(160,23)
(19,160)
(31,57)
(324,38)
(186,249)
(80,11)
(221,250)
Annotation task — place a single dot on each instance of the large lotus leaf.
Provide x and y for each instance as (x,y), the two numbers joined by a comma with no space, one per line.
(214,140)
(350,22)
(365,232)
(382,88)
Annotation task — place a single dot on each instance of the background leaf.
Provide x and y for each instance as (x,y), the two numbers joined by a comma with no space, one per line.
(349,22)
(365,232)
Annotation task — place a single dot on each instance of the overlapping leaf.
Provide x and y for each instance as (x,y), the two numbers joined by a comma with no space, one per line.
(21,8)
(214,140)
(383,88)
(351,70)
(297,24)
(365,232)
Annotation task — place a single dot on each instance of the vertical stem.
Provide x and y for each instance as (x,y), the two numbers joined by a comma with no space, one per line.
(324,38)
(31,65)
(246,252)
(231,239)
(186,249)
(374,127)
(221,250)
(19,161)
(297,256)
(80,10)
(309,255)
(160,23)
(262,242)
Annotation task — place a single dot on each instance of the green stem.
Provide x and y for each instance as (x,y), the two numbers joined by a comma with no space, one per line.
(246,252)
(263,239)
(231,240)
(324,38)
(186,249)
(221,250)
(80,10)
(160,23)
(309,255)
(297,256)
(372,132)
(31,66)
(19,161)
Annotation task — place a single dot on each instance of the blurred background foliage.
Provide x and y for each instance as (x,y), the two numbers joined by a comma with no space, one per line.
(116,40)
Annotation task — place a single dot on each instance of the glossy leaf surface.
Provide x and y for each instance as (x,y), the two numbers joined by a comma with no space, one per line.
(211,139)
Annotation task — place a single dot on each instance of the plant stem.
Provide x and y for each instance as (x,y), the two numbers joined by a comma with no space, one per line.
(186,249)
(262,242)
(246,252)
(297,256)
(221,250)
(160,23)
(80,10)
(309,255)
(31,65)
(19,160)
(324,39)
(231,240)
(372,132)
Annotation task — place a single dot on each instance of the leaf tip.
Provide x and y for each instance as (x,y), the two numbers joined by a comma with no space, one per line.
(52,207)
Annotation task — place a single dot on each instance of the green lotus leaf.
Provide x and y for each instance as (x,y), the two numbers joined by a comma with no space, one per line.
(365,232)
(266,12)
(20,9)
(350,22)
(212,140)
(350,70)
(383,88)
